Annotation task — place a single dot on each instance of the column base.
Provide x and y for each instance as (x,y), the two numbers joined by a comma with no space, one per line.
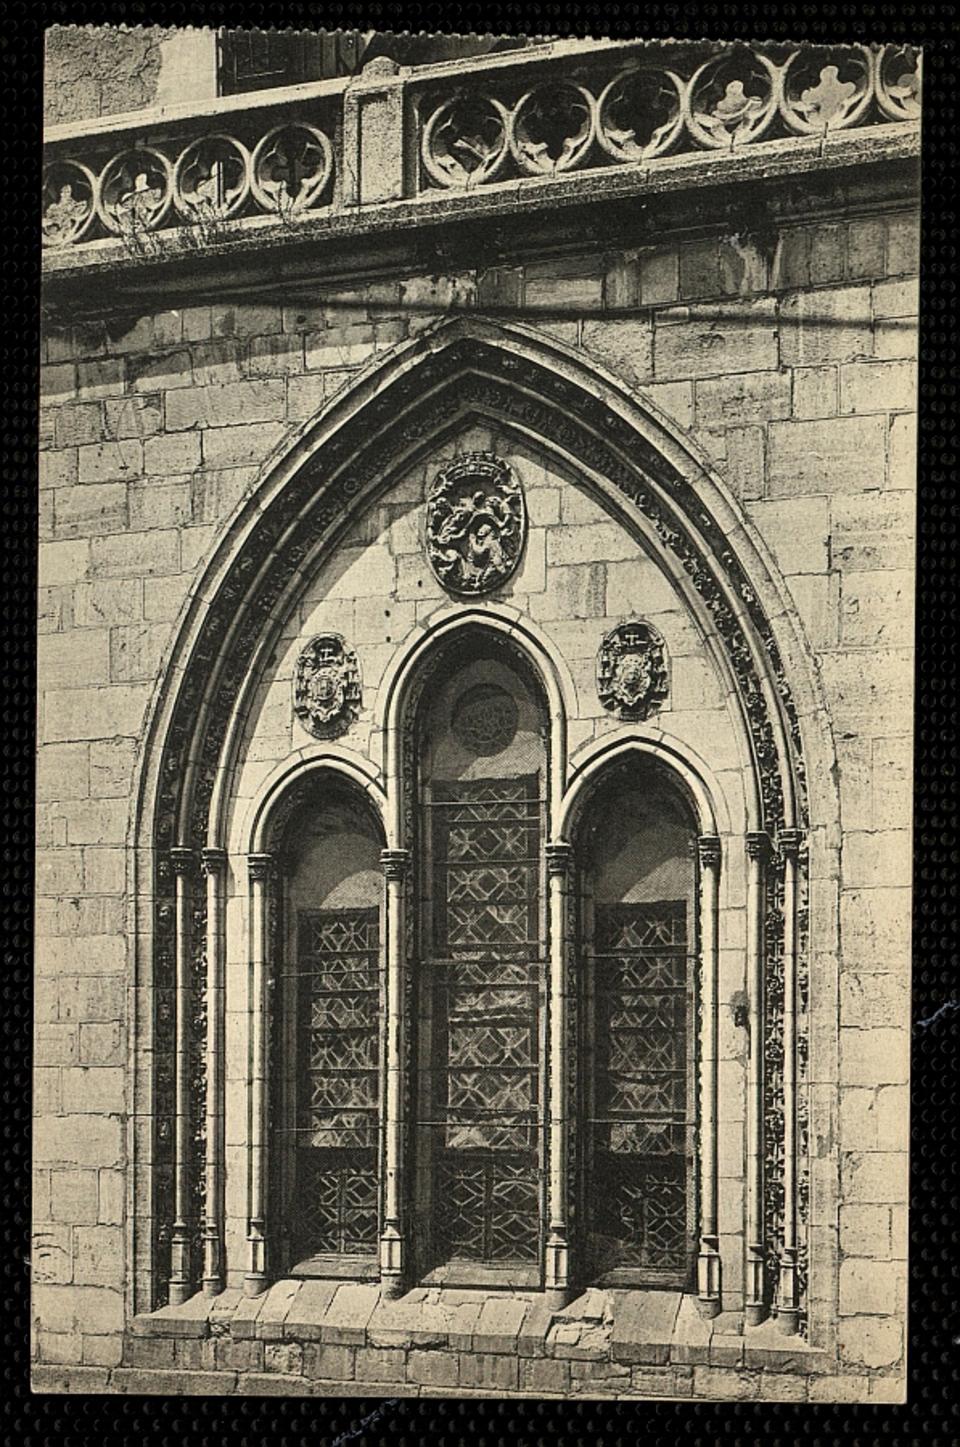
(178,1292)
(254,1285)
(708,1307)
(788,1320)
(708,1278)
(755,1313)
(391,1288)
(558,1297)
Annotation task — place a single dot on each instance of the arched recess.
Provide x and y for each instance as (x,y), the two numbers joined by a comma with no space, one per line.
(641,470)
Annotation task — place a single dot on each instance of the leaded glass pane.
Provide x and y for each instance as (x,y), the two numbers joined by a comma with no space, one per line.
(639,1125)
(337,1099)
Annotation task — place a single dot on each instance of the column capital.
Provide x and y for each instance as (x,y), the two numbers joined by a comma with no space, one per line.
(708,850)
(181,857)
(213,861)
(758,846)
(559,856)
(395,863)
(790,842)
(259,866)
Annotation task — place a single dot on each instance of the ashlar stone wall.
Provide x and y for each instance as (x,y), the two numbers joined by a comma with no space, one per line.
(792,365)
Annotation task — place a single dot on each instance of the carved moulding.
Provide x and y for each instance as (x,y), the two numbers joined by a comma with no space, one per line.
(476,524)
(307,513)
(632,670)
(326,686)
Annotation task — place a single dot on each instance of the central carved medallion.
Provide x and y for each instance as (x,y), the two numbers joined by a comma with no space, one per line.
(326,686)
(631,670)
(486,720)
(476,523)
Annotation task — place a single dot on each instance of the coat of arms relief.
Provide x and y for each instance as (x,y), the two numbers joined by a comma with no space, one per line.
(632,670)
(476,524)
(326,686)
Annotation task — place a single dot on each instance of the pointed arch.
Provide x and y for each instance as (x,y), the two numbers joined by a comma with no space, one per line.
(634,461)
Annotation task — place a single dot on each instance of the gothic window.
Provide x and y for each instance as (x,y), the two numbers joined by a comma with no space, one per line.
(636,1047)
(328,1047)
(482,789)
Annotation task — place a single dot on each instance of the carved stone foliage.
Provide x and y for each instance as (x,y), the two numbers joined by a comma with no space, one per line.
(326,686)
(476,524)
(310,514)
(632,670)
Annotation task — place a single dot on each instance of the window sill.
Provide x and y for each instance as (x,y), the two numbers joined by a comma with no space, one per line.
(628,1327)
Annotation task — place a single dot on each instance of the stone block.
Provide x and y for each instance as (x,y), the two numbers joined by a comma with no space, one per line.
(545,1374)
(58,383)
(57,469)
(78,1140)
(659,277)
(873,1177)
(346,1318)
(136,555)
(132,417)
(99,1089)
(495,1372)
(160,373)
(153,506)
(865,247)
(113,461)
(500,1324)
(869,1341)
(869,1288)
(839,454)
(865,1231)
(62,563)
(743,398)
(597,542)
(644,1325)
(332,1363)
(626,347)
(903,244)
(100,603)
(339,347)
(167,454)
(96,821)
(819,326)
(245,319)
(731,337)
(92,997)
(878,387)
(129,334)
(79,424)
(306,395)
(376,1364)
(876,1056)
(63,1350)
(140,1382)
(53,1379)
(56,1044)
(797,530)
(729,1385)
(870,1000)
(111,767)
(63,658)
(101,377)
(216,362)
(51,1254)
(136,651)
(98,1256)
(828,253)
(241,446)
(101,1045)
(816,392)
(285,1357)
(163,597)
(273,356)
(59,871)
(902,453)
(226,405)
(104,1351)
(656,1382)
(432,1368)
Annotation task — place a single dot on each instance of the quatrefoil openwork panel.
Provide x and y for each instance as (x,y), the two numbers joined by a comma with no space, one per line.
(476,524)
(327,689)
